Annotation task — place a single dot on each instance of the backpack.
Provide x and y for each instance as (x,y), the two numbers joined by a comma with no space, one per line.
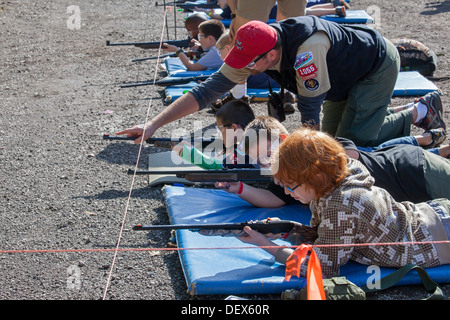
(415,56)
(336,288)
(339,288)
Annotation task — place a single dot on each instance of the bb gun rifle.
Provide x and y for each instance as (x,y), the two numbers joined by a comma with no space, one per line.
(168,81)
(235,174)
(189,6)
(187,43)
(192,55)
(303,233)
(205,141)
(167,55)
(267,226)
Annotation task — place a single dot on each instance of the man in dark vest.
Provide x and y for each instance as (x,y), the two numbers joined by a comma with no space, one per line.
(348,72)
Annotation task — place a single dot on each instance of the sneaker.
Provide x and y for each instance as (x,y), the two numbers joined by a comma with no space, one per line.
(438,136)
(227,98)
(340,11)
(341,3)
(433,119)
(289,102)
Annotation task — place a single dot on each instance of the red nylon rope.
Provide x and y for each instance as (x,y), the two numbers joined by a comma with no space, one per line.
(219,248)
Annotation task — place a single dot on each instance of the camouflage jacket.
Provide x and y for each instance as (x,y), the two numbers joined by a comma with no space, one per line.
(358,212)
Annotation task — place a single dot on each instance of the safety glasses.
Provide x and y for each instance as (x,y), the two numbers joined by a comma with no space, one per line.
(291,189)
(252,64)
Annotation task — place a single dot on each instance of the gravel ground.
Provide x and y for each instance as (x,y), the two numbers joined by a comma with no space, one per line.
(63,187)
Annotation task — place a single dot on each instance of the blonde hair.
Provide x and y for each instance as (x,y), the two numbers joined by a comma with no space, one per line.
(263,126)
(311,158)
(224,40)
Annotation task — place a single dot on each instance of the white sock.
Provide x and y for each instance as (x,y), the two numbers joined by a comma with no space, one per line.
(421,111)
(239,90)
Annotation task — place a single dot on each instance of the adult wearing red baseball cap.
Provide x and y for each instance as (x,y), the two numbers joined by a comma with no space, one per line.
(347,72)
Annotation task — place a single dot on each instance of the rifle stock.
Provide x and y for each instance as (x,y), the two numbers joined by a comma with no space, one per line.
(154,44)
(223,175)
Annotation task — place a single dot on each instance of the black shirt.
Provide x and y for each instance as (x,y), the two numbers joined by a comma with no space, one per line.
(398,169)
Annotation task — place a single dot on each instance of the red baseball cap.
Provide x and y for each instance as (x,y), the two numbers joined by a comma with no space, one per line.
(252,39)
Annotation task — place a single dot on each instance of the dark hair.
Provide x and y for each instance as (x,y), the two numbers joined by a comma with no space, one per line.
(196,18)
(212,27)
(236,111)
(278,43)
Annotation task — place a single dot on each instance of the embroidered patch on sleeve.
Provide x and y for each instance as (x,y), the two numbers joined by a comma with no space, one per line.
(311,84)
(306,72)
(302,59)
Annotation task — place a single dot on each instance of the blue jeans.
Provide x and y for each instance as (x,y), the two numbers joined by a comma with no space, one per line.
(402,140)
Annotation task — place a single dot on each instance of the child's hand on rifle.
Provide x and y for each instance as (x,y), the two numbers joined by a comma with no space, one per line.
(231,187)
(178,148)
(169,47)
(258,239)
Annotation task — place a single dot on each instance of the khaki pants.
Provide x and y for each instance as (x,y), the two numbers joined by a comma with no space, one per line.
(364,117)
(248,10)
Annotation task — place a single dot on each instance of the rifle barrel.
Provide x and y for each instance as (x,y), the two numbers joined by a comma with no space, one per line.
(152,139)
(169,81)
(137,84)
(153,44)
(154,58)
(278,226)
(223,175)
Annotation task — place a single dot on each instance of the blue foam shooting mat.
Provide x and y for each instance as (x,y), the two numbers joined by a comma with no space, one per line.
(353,16)
(246,270)
(410,83)
(314,2)
(174,92)
(176,68)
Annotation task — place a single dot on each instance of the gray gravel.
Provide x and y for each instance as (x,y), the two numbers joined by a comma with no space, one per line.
(63,187)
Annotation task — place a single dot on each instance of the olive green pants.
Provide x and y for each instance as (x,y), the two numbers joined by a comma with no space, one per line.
(364,117)
(437,175)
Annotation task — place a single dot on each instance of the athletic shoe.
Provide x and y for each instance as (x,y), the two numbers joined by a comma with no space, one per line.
(438,136)
(341,3)
(340,11)
(433,119)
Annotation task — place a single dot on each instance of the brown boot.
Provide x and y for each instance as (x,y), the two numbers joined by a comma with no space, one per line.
(289,102)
